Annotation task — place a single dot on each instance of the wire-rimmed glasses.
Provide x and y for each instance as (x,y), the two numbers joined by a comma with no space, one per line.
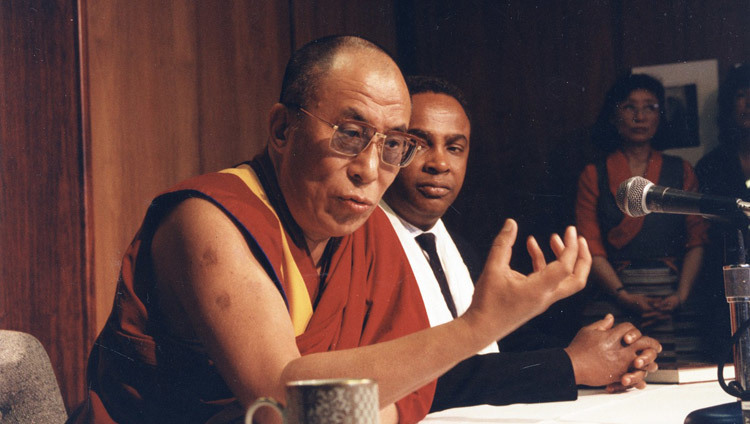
(351,137)
(632,110)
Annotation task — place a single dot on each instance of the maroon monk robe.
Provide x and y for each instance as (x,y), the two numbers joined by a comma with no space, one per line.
(138,372)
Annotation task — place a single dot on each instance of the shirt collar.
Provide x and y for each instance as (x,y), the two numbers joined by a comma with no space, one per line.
(412,229)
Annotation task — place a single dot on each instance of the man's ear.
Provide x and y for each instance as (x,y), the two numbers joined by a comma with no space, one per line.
(278,125)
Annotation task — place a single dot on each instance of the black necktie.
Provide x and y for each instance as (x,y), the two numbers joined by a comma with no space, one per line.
(427,242)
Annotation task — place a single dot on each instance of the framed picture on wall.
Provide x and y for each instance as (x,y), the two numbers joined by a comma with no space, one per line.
(691,89)
(681,116)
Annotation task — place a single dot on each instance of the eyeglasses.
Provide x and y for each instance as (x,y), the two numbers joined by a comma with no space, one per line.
(647,110)
(352,137)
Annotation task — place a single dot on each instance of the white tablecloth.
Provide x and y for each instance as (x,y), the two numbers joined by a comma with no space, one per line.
(657,404)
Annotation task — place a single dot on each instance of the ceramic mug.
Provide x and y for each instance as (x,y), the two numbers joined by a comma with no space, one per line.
(327,401)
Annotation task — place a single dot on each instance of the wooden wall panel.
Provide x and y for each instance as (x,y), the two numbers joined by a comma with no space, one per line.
(685,30)
(144,119)
(375,20)
(43,256)
(177,88)
(242,50)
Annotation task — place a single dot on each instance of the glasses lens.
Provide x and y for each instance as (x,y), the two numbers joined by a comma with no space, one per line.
(351,138)
(647,109)
(396,149)
(409,154)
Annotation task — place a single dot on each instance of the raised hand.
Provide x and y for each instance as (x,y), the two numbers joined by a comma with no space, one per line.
(504,299)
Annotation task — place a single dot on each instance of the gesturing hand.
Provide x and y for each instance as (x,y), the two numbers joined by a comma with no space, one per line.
(504,299)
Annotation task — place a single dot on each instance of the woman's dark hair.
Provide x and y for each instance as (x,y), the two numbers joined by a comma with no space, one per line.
(604,133)
(737,79)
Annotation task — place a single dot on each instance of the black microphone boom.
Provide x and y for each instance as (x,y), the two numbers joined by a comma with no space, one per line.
(638,196)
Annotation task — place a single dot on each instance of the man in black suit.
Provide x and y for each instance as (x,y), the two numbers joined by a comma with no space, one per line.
(600,355)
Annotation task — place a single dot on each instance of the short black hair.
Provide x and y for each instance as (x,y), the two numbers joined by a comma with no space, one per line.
(308,63)
(604,133)
(428,84)
(737,79)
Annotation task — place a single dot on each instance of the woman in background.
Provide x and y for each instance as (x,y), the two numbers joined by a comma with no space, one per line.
(725,171)
(644,268)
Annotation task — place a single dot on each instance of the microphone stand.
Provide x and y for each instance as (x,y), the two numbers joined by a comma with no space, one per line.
(737,290)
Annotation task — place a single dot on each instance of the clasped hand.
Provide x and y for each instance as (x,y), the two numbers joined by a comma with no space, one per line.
(652,309)
(618,357)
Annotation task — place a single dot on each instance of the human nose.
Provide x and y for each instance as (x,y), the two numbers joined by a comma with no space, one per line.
(639,113)
(363,168)
(436,162)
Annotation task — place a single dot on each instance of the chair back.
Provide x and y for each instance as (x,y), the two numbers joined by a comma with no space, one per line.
(29,392)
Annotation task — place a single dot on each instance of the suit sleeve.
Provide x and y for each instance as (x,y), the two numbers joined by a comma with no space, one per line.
(506,378)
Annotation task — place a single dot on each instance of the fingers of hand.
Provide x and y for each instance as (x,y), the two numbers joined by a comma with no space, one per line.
(652,302)
(636,379)
(571,235)
(583,265)
(651,367)
(647,308)
(645,361)
(570,252)
(645,344)
(603,324)
(632,378)
(537,256)
(646,358)
(569,272)
(616,388)
(502,247)
(556,244)
(626,333)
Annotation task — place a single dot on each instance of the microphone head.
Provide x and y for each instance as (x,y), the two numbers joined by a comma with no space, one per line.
(631,196)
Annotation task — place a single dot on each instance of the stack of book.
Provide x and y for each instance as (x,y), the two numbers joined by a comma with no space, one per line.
(680,373)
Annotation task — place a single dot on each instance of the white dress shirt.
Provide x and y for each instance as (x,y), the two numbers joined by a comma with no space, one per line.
(459,279)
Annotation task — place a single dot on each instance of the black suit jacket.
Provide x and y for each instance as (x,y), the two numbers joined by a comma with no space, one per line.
(506,377)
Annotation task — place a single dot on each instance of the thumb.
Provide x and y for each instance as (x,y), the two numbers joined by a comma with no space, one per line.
(603,324)
(502,246)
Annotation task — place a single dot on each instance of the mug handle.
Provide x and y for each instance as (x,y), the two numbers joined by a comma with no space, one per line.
(263,401)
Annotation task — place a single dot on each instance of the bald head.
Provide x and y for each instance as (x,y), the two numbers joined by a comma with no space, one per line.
(313,60)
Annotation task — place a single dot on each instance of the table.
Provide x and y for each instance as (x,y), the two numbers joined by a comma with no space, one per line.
(656,404)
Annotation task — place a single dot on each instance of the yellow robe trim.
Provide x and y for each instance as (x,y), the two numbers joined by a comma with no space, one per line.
(300,306)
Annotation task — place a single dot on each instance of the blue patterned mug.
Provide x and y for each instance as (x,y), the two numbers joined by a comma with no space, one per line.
(329,401)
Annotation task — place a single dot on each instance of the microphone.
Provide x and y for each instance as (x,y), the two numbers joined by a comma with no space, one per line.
(638,196)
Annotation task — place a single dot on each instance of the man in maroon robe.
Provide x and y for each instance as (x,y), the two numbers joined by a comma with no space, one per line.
(283,269)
